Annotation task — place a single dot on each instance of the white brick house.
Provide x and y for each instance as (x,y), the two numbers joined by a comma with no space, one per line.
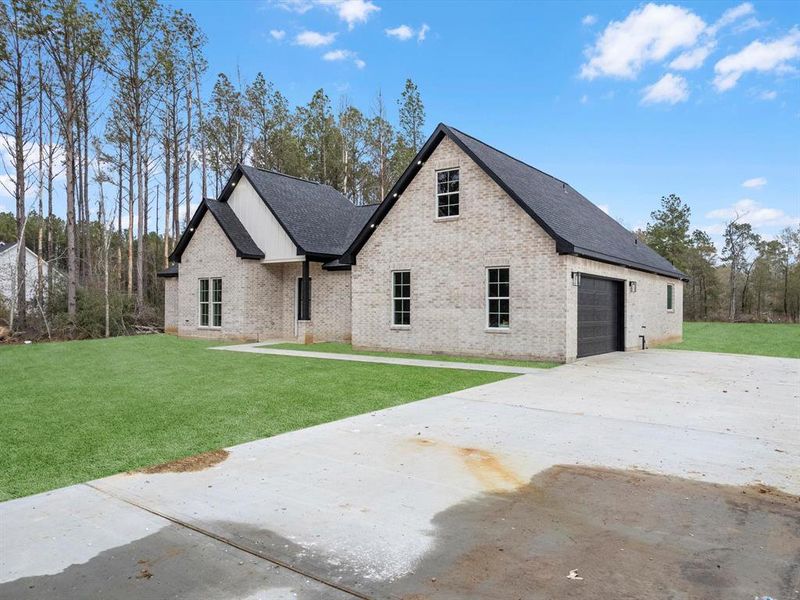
(472,252)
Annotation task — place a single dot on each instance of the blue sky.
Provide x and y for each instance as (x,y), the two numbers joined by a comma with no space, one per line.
(564,86)
(626,101)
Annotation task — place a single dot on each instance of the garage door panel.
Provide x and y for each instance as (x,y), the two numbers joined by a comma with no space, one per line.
(599,316)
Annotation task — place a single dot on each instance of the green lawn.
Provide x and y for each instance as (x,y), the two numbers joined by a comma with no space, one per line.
(75,411)
(766,339)
(339,348)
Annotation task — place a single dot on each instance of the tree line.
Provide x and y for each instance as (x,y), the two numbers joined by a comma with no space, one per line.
(103,105)
(751,278)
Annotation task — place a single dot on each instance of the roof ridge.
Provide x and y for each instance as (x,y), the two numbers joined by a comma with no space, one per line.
(282,174)
(530,166)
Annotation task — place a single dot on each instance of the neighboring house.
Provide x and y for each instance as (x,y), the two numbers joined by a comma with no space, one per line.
(8,272)
(472,252)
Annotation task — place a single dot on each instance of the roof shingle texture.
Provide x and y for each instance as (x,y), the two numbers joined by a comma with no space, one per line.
(566,212)
(318,218)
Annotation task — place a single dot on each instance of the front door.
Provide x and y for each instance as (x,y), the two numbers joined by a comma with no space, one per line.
(299,300)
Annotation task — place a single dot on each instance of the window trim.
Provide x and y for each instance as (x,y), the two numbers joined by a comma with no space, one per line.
(394,324)
(670,297)
(498,329)
(210,303)
(436,215)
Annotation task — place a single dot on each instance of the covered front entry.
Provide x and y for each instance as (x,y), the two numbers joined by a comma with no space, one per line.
(600,316)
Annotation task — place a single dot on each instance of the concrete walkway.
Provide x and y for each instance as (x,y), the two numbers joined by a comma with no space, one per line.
(658,474)
(258,348)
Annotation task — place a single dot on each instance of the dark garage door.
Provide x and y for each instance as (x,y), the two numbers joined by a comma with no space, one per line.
(599,316)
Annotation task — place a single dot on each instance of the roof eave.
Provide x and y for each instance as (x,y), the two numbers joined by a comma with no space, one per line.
(599,256)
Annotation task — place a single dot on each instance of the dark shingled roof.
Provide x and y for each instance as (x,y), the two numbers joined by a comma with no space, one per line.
(318,219)
(170,271)
(578,226)
(229,223)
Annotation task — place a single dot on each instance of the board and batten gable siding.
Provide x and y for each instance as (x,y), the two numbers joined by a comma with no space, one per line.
(448,261)
(260,223)
(645,309)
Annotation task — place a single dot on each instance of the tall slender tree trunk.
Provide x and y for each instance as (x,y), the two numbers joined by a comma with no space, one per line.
(19,159)
(85,192)
(130,216)
(69,155)
(168,223)
(187,173)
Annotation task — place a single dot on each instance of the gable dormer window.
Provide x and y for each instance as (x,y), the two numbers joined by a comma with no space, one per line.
(447,193)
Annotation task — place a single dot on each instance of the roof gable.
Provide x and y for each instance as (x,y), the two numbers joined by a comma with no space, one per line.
(577,226)
(229,223)
(317,218)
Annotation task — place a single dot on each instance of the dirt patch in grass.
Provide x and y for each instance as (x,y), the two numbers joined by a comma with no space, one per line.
(198,462)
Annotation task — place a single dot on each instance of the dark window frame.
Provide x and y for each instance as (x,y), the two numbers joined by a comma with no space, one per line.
(401,298)
(498,298)
(448,193)
(670,297)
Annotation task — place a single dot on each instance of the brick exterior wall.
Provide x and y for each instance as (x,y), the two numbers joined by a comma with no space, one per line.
(645,310)
(170,304)
(448,260)
(258,300)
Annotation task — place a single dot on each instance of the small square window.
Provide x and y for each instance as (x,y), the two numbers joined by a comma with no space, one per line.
(447,193)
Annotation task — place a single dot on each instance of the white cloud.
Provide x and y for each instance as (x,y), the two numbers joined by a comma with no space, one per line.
(755,182)
(670,89)
(314,39)
(648,34)
(402,32)
(757,56)
(298,6)
(334,55)
(731,15)
(584,99)
(339,55)
(752,212)
(768,95)
(351,11)
(589,20)
(692,59)
(423,32)
(604,208)
(277,34)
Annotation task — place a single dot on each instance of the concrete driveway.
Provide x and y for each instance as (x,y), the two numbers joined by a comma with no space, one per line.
(659,474)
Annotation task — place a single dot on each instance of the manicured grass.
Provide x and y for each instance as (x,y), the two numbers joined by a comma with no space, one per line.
(339,348)
(766,339)
(75,411)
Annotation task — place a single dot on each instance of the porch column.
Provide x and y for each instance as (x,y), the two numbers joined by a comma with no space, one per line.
(305,300)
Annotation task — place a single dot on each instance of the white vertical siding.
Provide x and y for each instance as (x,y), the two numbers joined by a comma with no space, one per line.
(260,223)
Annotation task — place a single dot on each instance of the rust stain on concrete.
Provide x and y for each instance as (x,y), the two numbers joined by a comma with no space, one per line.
(483,465)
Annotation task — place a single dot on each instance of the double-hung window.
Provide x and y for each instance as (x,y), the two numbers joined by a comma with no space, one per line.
(211,302)
(498,297)
(401,298)
(670,297)
(447,193)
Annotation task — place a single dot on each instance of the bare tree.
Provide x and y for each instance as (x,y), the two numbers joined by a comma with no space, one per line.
(18,85)
(67,31)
